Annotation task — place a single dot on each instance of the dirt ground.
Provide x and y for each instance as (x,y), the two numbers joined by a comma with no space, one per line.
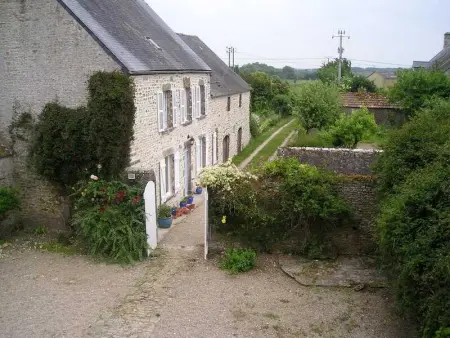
(178,294)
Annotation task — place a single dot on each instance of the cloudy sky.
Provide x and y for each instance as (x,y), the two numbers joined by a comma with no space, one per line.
(384,33)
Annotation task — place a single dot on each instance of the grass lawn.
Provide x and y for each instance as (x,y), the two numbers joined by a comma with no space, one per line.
(272,146)
(257,141)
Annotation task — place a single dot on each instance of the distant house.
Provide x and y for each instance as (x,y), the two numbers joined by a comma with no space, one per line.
(383,111)
(441,60)
(383,79)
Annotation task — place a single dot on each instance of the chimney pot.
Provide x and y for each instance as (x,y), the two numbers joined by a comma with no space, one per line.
(446,39)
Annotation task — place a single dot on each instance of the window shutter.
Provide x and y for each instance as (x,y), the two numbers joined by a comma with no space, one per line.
(194,100)
(162,179)
(198,156)
(214,148)
(165,112)
(199,101)
(183,106)
(160,108)
(206,152)
(175,109)
(177,171)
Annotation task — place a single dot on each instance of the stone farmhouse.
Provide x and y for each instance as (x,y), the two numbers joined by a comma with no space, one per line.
(192,110)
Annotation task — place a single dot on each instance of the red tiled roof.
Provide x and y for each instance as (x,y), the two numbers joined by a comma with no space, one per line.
(368,100)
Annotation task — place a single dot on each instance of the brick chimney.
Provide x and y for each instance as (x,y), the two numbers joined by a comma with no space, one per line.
(446,39)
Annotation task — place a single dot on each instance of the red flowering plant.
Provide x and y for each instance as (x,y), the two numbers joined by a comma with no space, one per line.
(110,218)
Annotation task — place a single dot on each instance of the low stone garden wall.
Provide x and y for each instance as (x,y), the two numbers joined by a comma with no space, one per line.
(357,186)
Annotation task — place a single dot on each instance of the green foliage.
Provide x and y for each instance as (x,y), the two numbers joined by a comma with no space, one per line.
(164,211)
(315,140)
(356,83)
(238,260)
(255,122)
(318,104)
(414,232)
(414,88)
(109,218)
(421,141)
(40,230)
(350,129)
(328,72)
(9,200)
(69,143)
(282,104)
(285,199)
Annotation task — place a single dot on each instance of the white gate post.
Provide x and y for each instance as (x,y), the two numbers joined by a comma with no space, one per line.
(206,223)
(150,215)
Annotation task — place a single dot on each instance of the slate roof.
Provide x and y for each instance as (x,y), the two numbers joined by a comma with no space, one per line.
(135,36)
(224,81)
(368,100)
(442,59)
(421,64)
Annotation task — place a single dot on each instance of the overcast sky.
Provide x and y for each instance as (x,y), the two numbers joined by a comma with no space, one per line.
(298,32)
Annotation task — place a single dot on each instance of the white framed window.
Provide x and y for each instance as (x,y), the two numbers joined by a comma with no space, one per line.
(166,113)
(201,153)
(202,100)
(169,176)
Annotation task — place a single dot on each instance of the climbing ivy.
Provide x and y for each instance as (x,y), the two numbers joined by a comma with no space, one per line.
(70,143)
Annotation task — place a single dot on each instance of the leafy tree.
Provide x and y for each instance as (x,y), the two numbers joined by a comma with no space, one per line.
(358,83)
(328,73)
(262,93)
(421,141)
(318,104)
(282,104)
(414,88)
(288,73)
(350,129)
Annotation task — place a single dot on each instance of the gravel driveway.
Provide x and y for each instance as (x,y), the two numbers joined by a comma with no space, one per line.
(178,294)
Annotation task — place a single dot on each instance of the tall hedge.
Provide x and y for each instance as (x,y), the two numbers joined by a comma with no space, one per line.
(72,143)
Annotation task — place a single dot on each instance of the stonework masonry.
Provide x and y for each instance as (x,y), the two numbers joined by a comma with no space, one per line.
(150,146)
(356,186)
(45,55)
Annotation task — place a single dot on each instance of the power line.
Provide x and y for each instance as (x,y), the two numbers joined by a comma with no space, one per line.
(341,35)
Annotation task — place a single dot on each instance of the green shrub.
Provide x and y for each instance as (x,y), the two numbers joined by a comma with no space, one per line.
(421,141)
(348,130)
(282,104)
(318,104)
(284,199)
(164,211)
(9,200)
(110,219)
(238,260)
(255,123)
(314,140)
(414,235)
(69,143)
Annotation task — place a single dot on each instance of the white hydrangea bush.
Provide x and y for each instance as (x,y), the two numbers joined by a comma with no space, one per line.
(223,177)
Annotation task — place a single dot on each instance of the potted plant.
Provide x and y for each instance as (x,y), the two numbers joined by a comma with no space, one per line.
(190,199)
(164,216)
(174,211)
(183,202)
(198,190)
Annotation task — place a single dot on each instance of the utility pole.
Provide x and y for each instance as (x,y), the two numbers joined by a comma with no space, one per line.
(341,35)
(230,52)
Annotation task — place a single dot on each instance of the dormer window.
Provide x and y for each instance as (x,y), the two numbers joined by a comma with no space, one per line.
(153,43)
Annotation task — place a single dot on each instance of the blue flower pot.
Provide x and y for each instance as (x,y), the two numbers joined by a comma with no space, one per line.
(183,204)
(165,223)
(174,211)
(199,190)
(190,200)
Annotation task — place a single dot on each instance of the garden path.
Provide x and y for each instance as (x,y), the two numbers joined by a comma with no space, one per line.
(178,294)
(250,158)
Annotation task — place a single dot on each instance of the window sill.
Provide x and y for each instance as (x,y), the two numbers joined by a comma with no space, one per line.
(169,196)
(166,131)
(201,117)
(186,123)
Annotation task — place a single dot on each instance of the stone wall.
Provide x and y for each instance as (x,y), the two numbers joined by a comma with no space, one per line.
(337,160)
(45,55)
(357,187)
(150,146)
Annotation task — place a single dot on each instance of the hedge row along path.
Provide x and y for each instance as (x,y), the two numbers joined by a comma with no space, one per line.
(247,161)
